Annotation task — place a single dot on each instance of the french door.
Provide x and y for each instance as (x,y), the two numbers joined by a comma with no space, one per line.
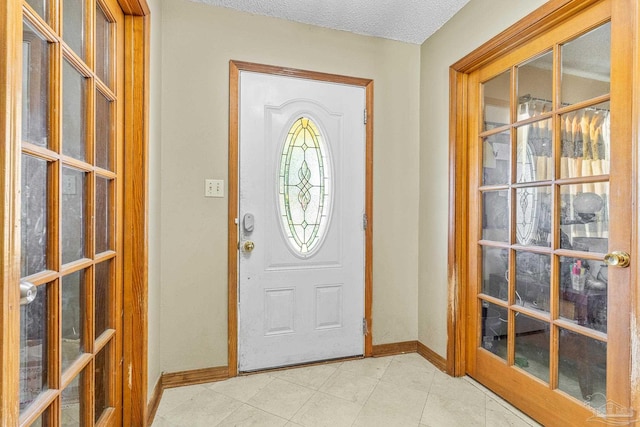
(71,213)
(550,220)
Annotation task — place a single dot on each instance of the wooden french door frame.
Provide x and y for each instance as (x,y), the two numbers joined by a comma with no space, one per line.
(234,73)
(136,64)
(520,33)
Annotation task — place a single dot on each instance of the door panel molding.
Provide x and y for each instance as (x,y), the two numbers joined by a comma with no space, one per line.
(234,71)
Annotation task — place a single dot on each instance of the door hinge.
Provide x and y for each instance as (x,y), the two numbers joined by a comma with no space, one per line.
(365,116)
(365,221)
(365,326)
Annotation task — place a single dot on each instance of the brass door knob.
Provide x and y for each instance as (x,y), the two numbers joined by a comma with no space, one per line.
(248,246)
(617,259)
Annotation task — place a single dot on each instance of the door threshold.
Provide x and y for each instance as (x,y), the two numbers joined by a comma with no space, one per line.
(301,365)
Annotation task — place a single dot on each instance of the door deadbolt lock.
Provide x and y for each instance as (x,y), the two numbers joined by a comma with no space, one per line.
(248,246)
(617,259)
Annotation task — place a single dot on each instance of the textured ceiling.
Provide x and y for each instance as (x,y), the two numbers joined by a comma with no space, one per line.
(410,21)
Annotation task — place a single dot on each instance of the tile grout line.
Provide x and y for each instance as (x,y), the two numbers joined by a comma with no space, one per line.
(500,401)
(368,397)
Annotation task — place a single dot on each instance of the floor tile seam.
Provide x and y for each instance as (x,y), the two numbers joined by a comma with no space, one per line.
(365,403)
(424,406)
(302,406)
(371,358)
(373,377)
(426,364)
(302,385)
(354,377)
(169,392)
(408,386)
(419,417)
(499,400)
(329,395)
(343,399)
(197,395)
(266,411)
(417,368)
(254,407)
(346,367)
(254,394)
(231,413)
(360,411)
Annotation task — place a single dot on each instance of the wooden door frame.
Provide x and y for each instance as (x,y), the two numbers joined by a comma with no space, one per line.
(520,33)
(134,334)
(234,81)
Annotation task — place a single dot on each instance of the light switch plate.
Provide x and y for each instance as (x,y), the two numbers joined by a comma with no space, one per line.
(213,188)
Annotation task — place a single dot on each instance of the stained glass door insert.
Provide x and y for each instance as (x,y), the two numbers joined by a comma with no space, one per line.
(305,186)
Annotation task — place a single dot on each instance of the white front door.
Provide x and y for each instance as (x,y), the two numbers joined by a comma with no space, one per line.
(301,207)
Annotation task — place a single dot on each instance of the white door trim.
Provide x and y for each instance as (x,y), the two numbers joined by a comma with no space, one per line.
(234,70)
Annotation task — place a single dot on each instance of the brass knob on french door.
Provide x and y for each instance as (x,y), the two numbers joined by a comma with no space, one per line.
(618,259)
(248,246)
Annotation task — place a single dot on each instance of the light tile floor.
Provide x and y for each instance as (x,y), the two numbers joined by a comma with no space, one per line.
(403,390)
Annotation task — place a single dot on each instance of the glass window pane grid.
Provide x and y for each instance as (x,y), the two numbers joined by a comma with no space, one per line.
(496,215)
(34,347)
(72,400)
(582,377)
(73,317)
(533,281)
(495,279)
(533,213)
(103,54)
(56,175)
(103,228)
(36,93)
(579,54)
(74,214)
(549,180)
(532,345)
(103,300)
(496,159)
(496,100)
(41,8)
(75,108)
(34,215)
(74,25)
(104,143)
(534,160)
(103,380)
(533,73)
(494,323)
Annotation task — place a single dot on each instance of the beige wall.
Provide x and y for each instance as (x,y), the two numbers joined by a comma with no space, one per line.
(153,343)
(475,24)
(193,44)
(197,42)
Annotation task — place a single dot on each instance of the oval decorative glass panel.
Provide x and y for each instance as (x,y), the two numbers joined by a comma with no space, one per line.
(304,187)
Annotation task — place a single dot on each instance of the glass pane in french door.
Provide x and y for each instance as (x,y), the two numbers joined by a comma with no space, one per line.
(544,198)
(70,192)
